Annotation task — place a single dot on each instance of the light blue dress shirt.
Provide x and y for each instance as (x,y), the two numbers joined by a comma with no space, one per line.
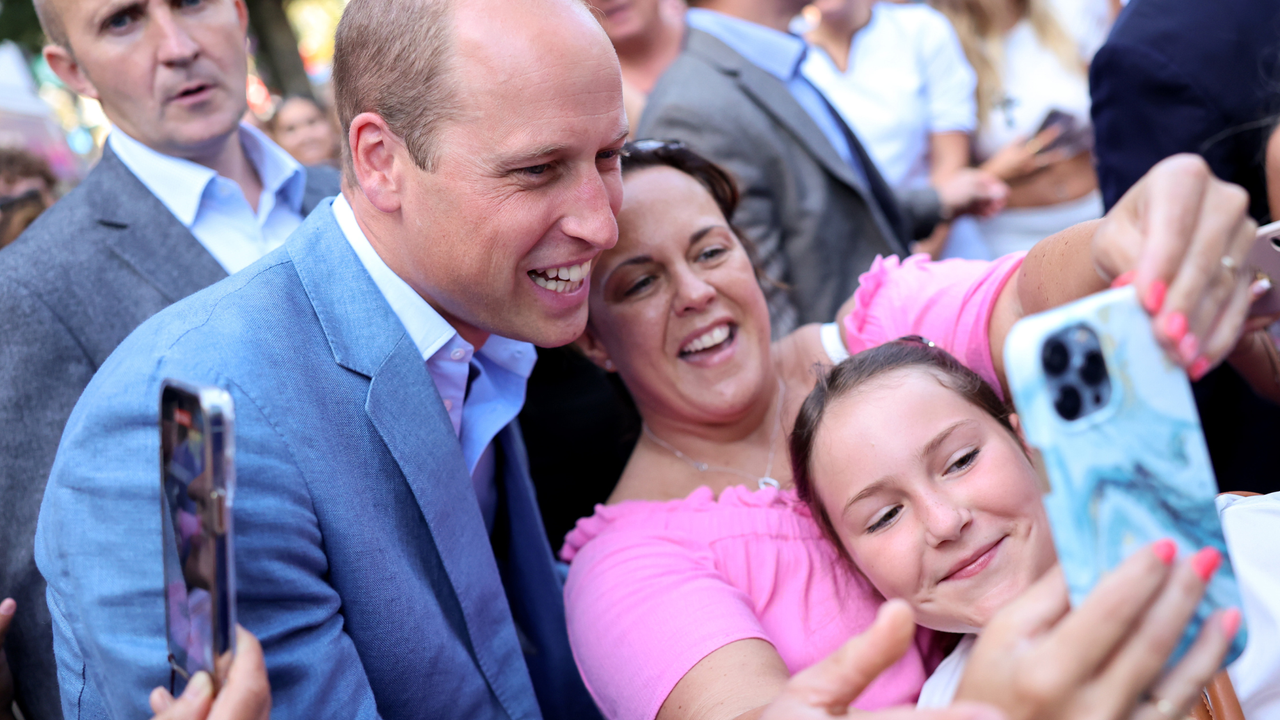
(782,56)
(213,207)
(500,370)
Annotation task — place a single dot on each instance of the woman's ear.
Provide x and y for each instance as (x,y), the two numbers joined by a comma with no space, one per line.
(590,346)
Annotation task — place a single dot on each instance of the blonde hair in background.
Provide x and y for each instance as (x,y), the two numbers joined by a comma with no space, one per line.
(984,45)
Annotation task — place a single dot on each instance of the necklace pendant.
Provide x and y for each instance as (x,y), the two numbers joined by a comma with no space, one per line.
(701,466)
(769,482)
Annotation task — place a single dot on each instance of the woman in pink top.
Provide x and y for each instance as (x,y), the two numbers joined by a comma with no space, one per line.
(704,585)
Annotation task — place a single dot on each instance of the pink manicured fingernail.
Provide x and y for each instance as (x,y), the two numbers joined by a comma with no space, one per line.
(1124,278)
(1175,326)
(1189,348)
(8,606)
(1231,622)
(1205,563)
(1198,368)
(1155,296)
(1165,550)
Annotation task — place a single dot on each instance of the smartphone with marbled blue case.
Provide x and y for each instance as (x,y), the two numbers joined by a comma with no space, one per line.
(1120,444)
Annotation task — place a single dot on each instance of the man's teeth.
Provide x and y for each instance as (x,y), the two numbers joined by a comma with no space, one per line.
(562,279)
(710,338)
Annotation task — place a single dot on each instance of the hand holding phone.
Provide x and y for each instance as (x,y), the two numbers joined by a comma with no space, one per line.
(1264,261)
(1118,439)
(197,486)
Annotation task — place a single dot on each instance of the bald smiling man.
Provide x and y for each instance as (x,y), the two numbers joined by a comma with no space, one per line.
(390,553)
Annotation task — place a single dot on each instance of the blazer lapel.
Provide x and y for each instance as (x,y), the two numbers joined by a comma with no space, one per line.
(404,406)
(145,234)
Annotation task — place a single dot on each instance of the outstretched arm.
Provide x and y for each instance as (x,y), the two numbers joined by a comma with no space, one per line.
(1168,236)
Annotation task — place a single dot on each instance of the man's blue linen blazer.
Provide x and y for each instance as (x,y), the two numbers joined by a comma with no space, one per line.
(363,562)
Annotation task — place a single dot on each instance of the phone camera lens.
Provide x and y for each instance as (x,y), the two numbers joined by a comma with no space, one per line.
(1068,403)
(1095,368)
(1056,358)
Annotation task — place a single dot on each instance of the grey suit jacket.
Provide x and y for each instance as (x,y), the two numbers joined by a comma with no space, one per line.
(84,275)
(816,224)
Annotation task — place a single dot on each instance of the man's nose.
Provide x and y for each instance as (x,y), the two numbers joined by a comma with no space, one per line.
(175,44)
(591,218)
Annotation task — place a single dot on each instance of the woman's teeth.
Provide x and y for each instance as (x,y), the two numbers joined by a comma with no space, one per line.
(710,338)
(562,279)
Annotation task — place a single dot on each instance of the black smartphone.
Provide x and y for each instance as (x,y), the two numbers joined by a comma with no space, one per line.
(1074,135)
(197,487)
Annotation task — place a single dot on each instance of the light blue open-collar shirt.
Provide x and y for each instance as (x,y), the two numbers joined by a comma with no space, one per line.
(213,207)
(501,367)
(781,55)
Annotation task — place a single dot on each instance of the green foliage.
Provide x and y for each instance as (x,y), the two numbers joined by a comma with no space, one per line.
(18,23)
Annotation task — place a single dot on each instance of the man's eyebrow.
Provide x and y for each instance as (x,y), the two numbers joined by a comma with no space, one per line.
(520,159)
(531,157)
(112,9)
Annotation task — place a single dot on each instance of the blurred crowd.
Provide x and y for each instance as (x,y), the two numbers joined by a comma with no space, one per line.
(635,358)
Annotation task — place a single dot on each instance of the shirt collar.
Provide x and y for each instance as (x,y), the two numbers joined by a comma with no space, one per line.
(427,329)
(280,174)
(180,184)
(777,53)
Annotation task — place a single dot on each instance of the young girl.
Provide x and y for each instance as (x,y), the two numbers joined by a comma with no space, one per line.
(917,470)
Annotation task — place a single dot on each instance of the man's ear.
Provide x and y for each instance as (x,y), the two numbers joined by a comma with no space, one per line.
(64,65)
(377,160)
(589,345)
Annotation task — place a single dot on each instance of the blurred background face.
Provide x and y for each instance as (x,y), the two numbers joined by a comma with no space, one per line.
(169,73)
(676,304)
(933,499)
(303,130)
(524,194)
(843,15)
(625,20)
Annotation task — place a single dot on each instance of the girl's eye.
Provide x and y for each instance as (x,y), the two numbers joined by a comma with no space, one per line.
(965,461)
(711,253)
(639,285)
(884,520)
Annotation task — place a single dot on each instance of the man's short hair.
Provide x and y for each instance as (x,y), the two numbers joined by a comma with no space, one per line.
(51,23)
(392,57)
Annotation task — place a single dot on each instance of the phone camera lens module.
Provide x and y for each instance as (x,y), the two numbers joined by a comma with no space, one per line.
(1056,357)
(1068,403)
(1095,368)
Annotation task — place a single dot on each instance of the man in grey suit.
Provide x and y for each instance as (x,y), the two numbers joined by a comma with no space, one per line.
(183,195)
(812,200)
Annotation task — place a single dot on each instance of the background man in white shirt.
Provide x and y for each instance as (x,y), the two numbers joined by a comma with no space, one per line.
(183,196)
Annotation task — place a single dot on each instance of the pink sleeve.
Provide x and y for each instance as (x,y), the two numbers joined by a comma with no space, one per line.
(643,608)
(948,302)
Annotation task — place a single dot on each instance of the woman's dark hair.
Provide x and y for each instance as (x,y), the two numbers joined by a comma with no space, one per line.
(641,154)
(857,371)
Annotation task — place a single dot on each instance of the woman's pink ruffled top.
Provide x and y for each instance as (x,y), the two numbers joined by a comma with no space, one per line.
(654,587)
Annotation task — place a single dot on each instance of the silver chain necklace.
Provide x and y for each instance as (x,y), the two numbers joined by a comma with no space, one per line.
(762,482)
